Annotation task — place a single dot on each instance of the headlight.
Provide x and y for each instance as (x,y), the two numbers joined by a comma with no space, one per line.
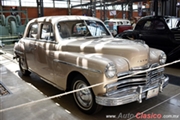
(110,70)
(162,58)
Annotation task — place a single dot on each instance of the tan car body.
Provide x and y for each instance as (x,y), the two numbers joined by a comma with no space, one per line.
(59,61)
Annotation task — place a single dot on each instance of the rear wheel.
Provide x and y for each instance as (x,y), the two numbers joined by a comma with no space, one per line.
(85,99)
(21,64)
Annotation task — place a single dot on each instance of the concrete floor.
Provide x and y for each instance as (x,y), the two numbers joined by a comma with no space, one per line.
(25,90)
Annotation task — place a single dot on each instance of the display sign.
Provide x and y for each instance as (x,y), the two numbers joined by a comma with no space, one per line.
(112,13)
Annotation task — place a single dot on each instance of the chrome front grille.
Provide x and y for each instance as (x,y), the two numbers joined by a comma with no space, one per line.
(131,80)
(177,37)
(131,84)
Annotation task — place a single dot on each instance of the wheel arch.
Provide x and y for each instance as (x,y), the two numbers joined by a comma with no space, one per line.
(18,56)
(70,78)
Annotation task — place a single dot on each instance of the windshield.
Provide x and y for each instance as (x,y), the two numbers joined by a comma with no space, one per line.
(81,28)
(173,22)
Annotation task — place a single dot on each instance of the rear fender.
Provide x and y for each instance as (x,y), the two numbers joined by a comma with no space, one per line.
(19,53)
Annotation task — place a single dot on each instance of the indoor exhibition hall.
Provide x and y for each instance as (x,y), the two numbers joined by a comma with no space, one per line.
(90,60)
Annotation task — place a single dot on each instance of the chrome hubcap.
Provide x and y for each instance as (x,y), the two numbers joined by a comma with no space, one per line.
(84,97)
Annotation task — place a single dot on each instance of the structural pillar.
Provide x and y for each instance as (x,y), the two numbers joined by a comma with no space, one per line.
(172,6)
(1,8)
(123,13)
(40,8)
(155,7)
(69,7)
(130,10)
(93,8)
(103,10)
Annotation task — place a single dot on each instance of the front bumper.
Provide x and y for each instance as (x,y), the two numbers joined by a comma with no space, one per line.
(133,95)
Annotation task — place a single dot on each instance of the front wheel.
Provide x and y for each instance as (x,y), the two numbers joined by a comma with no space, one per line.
(23,71)
(85,99)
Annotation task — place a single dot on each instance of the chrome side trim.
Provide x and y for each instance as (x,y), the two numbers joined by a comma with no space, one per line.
(53,84)
(81,67)
(177,37)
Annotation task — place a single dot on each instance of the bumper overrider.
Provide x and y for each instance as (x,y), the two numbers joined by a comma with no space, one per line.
(133,89)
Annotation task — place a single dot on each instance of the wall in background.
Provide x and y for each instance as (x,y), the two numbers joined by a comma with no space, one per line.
(33,13)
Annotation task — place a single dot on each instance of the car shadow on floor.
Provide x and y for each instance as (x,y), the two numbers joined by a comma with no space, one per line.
(68,104)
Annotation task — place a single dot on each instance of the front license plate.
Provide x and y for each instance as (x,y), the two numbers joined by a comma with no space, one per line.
(152,93)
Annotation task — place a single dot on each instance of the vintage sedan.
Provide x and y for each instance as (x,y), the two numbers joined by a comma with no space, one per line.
(161,32)
(74,52)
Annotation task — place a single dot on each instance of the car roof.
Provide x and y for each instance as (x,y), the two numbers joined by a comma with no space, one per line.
(115,20)
(54,19)
(159,17)
(152,17)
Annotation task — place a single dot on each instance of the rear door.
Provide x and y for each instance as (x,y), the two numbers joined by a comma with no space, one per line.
(30,45)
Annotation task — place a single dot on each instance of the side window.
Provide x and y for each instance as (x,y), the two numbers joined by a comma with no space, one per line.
(148,25)
(47,32)
(33,31)
(121,23)
(64,29)
(159,25)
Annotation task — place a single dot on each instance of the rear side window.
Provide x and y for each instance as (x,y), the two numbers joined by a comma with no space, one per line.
(158,25)
(154,25)
(33,31)
(47,32)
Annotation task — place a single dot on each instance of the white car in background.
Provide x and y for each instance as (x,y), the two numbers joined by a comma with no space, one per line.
(112,24)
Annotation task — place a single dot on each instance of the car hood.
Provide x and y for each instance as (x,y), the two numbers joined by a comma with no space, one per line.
(135,53)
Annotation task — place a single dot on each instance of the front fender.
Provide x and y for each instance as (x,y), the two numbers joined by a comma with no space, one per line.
(155,55)
(91,66)
(19,52)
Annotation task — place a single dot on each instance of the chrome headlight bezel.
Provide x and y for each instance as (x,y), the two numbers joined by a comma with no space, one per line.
(162,58)
(110,70)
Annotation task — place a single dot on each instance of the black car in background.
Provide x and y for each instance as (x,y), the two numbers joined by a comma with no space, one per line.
(162,32)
